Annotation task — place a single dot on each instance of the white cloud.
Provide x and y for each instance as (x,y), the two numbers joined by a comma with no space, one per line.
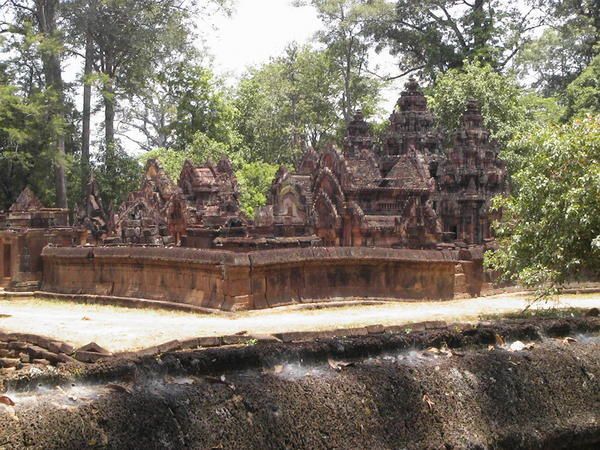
(257,31)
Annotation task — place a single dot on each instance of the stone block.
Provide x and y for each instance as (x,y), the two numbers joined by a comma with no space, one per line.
(302,336)
(169,346)
(417,326)
(17,345)
(94,348)
(375,329)
(235,339)
(351,332)
(88,357)
(435,325)
(400,329)
(41,362)
(58,347)
(150,351)
(264,338)
(190,343)
(9,362)
(36,352)
(210,341)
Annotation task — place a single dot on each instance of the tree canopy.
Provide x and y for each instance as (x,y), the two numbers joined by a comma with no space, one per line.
(533,66)
(550,232)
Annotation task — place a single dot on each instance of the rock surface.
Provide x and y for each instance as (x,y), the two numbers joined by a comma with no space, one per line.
(458,387)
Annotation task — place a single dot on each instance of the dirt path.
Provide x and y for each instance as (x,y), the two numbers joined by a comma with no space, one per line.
(119,329)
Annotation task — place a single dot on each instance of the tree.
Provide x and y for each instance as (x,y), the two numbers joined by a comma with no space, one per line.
(129,38)
(583,94)
(294,101)
(347,46)
(35,31)
(185,106)
(254,179)
(566,46)
(431,37)
(550,231)
(505,106)
(287,104)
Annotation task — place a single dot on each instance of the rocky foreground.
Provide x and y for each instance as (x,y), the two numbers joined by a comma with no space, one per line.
(530,383)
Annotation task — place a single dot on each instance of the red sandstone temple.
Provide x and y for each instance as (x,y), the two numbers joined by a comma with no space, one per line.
(416,188)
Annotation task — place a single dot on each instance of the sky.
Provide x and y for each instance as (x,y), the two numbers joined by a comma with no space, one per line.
(261,29)
(257,30)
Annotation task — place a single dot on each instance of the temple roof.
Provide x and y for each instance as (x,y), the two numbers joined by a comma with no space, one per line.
(407,174)
(362,172)
(26,201)
(412,98)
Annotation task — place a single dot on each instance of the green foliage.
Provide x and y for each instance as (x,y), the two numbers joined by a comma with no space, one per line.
(347,46)
(506,107)
(433,36)
(550,231)
(26,142)
(254,179)
(172,160)
(565,48)
(297,100)
(117,178)
(286,104)
(583,94)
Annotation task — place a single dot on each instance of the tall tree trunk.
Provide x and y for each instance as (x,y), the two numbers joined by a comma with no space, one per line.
(87,106)
(46,16)
(109,124)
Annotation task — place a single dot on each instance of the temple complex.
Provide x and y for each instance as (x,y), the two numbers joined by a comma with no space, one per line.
(414,196)
(467,179)
(414,188)
(407,192)
(25,230)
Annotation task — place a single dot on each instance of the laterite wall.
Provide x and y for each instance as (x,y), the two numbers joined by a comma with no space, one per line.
(233,281)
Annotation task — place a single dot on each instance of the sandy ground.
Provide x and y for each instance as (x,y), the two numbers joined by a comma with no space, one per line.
(119,329)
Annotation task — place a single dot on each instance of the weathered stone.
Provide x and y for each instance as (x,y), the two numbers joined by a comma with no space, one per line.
(350,332)
(593,312)
(9,362)
(210,341)
(92,347)
(264,338)
(41,362)
(375,329)
(89,357)
(169,346)
(36,352)
(150,351)
(300,336)
(17,345)
(190,343)
(235,339)
(435,325)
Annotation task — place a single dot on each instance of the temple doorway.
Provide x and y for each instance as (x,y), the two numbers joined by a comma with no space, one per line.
(6,259)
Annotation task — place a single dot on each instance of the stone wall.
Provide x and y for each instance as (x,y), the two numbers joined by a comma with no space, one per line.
(20,255)
(235,281)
